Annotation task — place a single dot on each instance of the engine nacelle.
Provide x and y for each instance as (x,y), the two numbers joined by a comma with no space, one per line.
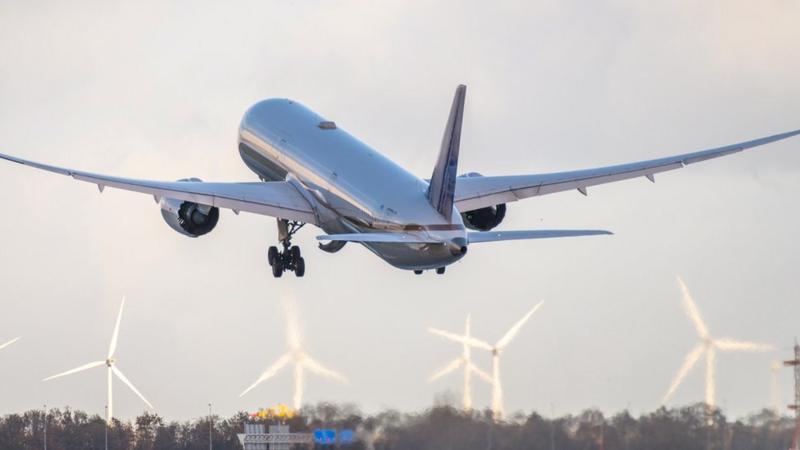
(483,219)
(189,218)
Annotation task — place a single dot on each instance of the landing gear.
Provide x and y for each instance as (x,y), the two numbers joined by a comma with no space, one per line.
(439,271)
(290,257)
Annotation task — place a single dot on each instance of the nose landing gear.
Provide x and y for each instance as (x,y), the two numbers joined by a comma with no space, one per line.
(289,258)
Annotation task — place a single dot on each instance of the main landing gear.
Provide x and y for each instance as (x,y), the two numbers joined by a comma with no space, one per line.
(289,258)
(439,270)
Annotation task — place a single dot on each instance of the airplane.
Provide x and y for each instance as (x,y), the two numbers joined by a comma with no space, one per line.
(314,172)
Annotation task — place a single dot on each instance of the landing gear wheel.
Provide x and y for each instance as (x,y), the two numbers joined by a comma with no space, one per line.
(417,272)
(277,268)
(440,270)
(272,255)
(295,252)
(289,257)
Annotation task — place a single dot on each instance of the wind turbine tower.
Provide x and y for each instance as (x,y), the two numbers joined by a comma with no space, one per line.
(775,385)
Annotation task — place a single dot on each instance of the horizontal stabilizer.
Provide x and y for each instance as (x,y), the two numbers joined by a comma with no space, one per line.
(399,238)
(492,236)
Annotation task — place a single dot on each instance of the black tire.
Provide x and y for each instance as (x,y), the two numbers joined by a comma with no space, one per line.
(417,272)
(295,252)
(440,270)
(272,255)
(277,268)
(300,267)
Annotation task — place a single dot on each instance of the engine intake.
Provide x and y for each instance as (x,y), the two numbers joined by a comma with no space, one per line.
(484,219)
(189,218)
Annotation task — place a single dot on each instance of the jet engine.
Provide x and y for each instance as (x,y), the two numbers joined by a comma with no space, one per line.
(483,219)
(189,218)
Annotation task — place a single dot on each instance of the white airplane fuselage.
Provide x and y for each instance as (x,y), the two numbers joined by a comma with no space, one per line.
(350,186)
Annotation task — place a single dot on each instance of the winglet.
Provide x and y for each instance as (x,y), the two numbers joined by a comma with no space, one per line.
(443,181)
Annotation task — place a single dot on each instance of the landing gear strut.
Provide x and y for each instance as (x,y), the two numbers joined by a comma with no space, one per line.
(289,258)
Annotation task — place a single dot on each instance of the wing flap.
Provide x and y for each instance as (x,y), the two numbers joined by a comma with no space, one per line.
(275,198)
(479,192)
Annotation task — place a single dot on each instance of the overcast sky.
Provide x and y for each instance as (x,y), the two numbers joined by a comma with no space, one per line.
(157,89)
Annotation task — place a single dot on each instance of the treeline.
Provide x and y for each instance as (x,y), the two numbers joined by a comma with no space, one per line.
(440,428)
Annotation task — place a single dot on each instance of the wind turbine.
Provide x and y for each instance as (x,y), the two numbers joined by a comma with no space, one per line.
(496,350)
(707,346)
(2,346)
(465,361)
(301,360)
(111,364)
(369,437)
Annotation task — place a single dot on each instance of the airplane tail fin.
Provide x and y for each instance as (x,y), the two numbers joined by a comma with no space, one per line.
(442,188)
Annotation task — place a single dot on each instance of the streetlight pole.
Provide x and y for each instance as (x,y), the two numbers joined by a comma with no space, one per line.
(210,429)
(45,427)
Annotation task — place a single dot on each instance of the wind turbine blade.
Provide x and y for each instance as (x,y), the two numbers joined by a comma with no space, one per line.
(730,345)
(688,363)
(269,373)
(690,307)
(9,343)
(483,375)
(125,380)
(113,346)
(512,332)
(461,339)
(76,370)
(454,365)
(322,371)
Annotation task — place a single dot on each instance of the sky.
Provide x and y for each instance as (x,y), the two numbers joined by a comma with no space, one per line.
(157,89)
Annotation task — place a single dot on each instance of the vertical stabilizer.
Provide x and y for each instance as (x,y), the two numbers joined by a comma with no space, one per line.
(443,181)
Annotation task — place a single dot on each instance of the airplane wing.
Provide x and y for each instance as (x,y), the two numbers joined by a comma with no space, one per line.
(474,192)
(276,198)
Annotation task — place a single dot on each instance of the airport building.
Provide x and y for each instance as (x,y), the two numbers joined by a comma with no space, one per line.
(278,437)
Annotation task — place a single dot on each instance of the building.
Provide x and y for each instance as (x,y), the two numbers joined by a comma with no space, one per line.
(255,437)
